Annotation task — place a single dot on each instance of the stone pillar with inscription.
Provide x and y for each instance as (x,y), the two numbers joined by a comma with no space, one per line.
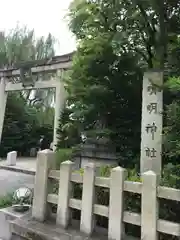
(152,121)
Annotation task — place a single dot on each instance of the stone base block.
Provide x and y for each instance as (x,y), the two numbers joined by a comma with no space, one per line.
(27,228)
(7,215)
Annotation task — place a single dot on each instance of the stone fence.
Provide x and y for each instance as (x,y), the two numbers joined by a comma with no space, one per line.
(149,190)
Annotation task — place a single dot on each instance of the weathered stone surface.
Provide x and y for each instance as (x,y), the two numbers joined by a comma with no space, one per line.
(151,126)
(30,229)
(24,229)
(6,215)
(45,162)
(3,100)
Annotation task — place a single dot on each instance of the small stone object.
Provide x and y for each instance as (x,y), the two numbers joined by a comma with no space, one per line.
(11,158)
(51,146)
(33,152)
(22,199)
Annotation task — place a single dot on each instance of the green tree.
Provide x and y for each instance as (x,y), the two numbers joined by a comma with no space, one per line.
(145,27)
(68,132)
(20,44)
(117,42)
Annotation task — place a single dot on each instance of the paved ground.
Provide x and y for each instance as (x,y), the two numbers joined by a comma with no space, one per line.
(10,181)
(25,165)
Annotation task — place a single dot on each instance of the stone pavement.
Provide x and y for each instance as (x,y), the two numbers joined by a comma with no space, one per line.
(10,181)
(23,165)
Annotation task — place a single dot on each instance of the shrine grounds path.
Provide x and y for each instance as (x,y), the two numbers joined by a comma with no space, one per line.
(10,181)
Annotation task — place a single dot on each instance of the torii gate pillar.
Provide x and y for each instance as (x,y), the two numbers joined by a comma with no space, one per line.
(3,100)
(60,98)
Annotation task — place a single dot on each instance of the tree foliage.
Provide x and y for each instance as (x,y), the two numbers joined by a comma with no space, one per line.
(117,42)
(145,27)
(20,44)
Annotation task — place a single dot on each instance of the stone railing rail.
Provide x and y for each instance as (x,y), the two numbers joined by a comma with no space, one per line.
(149,189)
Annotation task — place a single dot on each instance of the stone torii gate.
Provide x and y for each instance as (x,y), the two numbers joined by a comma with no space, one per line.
(21,77)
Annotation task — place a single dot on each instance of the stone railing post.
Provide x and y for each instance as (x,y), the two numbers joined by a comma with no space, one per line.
(45,162)
(116,206)
(149,206)
(11,158)
(87,223)
(63,210)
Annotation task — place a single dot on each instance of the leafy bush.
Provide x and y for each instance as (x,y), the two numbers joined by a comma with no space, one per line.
(63,155)
(6,201)
(172,133)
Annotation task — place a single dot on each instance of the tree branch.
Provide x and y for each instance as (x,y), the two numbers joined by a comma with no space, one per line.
(148,48)
(163,34)
(145,16)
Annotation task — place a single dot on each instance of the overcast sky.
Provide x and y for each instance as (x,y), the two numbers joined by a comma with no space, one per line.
(43,16)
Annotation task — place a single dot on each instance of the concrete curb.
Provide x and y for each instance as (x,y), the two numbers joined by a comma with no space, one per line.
(16,169)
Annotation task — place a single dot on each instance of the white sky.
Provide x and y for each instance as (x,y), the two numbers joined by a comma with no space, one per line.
(43,16)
